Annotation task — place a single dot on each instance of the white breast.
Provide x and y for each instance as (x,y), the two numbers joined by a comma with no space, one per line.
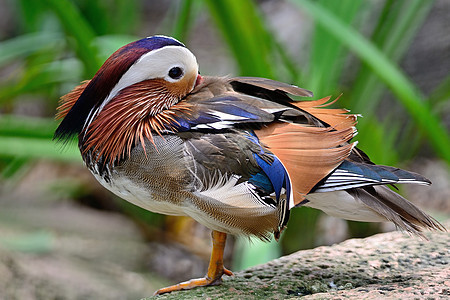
(142,197)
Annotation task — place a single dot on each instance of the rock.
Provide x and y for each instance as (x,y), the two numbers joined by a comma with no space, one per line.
(391,265)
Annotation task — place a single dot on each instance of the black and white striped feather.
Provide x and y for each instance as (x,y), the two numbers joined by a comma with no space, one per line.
(355,174)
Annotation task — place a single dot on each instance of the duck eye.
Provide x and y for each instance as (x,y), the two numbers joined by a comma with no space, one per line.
(175,73)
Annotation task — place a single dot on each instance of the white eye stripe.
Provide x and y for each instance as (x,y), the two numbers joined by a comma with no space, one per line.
(155,64)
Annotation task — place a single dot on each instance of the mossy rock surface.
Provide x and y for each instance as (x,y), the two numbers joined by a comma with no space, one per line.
(392,265)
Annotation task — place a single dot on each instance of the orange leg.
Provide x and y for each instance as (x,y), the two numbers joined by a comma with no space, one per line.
(215,269)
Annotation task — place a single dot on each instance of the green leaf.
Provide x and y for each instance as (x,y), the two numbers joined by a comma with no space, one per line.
(14,125)
(397,25)
(13,167)
(41,77)
(23,45)
(242,27)
(36,148)
(441,93)
(327,52)
(78,28)
(401,86)
(183,22)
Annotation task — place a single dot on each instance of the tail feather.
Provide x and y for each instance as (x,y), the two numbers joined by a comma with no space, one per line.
(354,174)
(396,209)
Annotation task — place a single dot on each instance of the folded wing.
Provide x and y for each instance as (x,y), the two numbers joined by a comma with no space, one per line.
(313,143)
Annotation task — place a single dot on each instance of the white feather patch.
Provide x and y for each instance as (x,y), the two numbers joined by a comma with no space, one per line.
(343,205)
(275,110)
(216,125)
(228,192)
(227,117)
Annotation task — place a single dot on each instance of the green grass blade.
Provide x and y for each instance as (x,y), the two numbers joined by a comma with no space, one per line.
(439,99)
(14,125)
(13,166)
(398,23)
(294,75)
(30,14)
(126,16)
(36,148)
(244,32)
(327,57)
(40,78)
(379,142)
(441,94)
(23,45)
(183,22)
(406,92)
(77,27)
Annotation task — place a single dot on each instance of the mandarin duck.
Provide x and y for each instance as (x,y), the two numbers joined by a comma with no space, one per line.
(235,154)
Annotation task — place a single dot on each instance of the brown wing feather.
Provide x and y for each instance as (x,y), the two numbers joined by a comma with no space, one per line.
(309,137)
(308,153)
(335,117)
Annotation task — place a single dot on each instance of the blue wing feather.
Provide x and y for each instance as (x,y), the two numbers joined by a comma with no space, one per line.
(276,174)
(221,112)
(274,171)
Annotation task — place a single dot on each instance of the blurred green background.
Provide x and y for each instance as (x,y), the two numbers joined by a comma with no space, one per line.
(362,49)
